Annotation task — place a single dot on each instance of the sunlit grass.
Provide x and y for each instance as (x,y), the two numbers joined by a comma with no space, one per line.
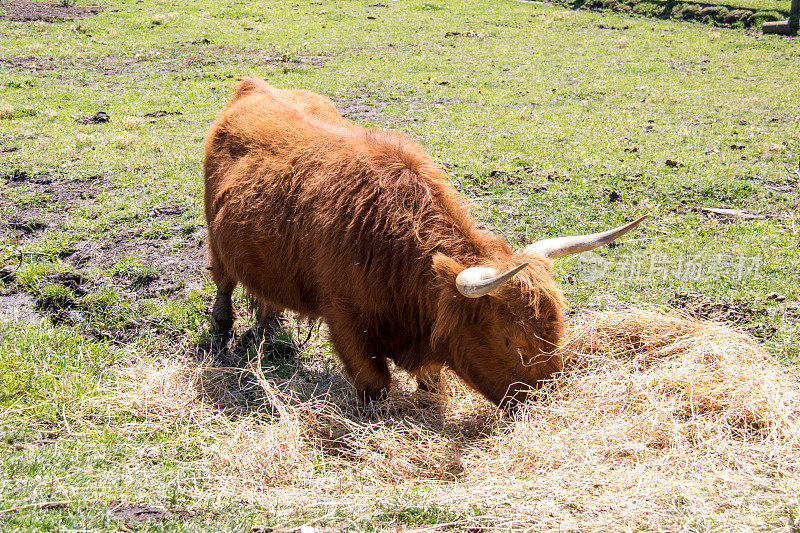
(549,120)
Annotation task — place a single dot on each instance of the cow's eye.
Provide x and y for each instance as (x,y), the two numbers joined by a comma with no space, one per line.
(508,344)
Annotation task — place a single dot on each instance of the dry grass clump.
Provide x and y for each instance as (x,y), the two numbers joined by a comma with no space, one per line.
(6,111)
(656,420)
(83,139)
(643,387)
(123,141)
(317,425)
(177,390)
(131,122)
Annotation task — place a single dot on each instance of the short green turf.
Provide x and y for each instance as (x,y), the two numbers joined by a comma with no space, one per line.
(550,121)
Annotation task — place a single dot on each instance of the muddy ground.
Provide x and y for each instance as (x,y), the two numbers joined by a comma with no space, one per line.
(25,221)
(367,105)
(29,11)
(174,259)
(737,313)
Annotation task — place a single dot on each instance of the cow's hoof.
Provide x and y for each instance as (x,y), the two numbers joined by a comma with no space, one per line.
(372,397)
(221,332)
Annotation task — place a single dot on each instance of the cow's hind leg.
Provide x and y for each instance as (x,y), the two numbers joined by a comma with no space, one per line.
(430,385)
(366,367)
(269,319)
(269,330)
(222,313)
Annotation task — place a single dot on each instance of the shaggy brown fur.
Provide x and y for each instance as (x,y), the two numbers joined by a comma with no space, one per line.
(312,213)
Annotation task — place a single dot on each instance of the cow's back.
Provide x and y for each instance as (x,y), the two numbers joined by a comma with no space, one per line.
(306,207)
(251,150)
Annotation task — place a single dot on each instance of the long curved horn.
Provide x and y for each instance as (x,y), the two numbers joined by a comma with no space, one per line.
(475,282)
(561,246)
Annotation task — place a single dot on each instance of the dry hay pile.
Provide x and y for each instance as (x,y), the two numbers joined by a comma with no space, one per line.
(656,422)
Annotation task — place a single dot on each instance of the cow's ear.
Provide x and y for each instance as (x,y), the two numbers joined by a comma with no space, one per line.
(450,305)
(446,269)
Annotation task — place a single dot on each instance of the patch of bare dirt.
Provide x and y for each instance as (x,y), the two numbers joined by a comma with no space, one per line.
(18,306)
(358,111)
(268,57)
(26,225)
(161,113)
(175,268)
(14,304)
(30,219)
(66,297)
(784,117)
(466,34)
(100,117)
(32,63)
(737,313)
(107,65)
(793,311)
(29,11)
(728,215)
(59,190)
(366,105)
(168,59)
(169,261)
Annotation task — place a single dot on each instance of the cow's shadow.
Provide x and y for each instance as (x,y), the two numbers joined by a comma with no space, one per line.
(242,355)
(273,375)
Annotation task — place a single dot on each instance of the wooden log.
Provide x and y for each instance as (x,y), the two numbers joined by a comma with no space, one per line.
(785,27)
(780,27)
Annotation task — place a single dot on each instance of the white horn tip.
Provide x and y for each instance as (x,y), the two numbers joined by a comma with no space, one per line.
(475,282)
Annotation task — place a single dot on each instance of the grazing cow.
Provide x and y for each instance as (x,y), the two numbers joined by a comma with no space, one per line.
(315,214)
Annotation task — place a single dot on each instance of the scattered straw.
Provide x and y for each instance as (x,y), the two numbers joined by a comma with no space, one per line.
(130,122)
(657,421)
(6,111)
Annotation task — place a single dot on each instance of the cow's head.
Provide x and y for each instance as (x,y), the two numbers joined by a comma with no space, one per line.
(501,321)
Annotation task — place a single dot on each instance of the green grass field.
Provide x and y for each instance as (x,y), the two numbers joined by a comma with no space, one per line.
(550,121)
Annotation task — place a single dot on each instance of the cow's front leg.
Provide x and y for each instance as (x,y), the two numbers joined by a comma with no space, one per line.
(364,364)
(430,385)
(222,313)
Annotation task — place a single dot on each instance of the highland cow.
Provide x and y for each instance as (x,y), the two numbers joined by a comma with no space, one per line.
(315,214)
